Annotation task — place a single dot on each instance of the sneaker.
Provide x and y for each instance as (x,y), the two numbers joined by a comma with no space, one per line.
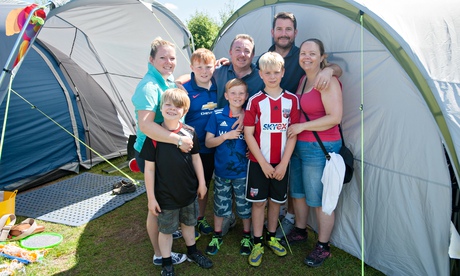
(177,258)
(197,235)
(276,247)
(167,271)
(317,256)
(177,234)
(124,188)
(285,226)
(246,246)
(228,223)
(214,246)
(199,259)
(204,226)
(294,237)
(255,259)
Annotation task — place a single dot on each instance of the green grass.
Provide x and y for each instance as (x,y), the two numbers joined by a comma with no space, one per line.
(117,244)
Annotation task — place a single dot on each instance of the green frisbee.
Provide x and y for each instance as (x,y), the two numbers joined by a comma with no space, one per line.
(41,240)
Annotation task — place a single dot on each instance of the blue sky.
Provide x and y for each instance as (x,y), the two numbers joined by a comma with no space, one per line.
(184,9)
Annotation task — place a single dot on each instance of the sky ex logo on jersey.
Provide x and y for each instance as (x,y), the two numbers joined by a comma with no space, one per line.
(275,127)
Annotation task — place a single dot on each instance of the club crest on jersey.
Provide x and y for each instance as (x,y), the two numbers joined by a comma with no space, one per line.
(254,192)
(286,112)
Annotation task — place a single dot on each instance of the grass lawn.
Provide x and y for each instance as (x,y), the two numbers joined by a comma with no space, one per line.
(117,244)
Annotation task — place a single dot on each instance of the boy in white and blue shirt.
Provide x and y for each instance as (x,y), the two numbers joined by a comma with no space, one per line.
(230,165)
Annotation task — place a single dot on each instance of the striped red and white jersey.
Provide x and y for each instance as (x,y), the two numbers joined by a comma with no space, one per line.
(271,118)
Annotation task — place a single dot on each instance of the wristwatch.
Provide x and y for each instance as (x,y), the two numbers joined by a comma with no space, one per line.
(179,143)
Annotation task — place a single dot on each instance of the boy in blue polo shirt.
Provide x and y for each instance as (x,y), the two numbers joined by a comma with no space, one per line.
(202,91)
(230,165)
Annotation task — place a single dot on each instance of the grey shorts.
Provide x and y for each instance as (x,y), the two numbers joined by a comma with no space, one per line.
(168,220)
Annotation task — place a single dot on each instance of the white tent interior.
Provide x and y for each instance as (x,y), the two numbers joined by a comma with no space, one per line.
(401,84)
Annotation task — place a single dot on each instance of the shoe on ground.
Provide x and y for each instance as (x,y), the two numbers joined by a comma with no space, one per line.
(120,183)
(197,235)
(199,259)
(124,188)
(317,256)
(255,258)
(246,246)
(276,247)
(177,234)
(294,237)
(228,223)
(167,271)
(177,258)
(204,226)
(285,226)
(214,246)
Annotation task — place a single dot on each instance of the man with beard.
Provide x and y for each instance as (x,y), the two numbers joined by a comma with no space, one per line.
(284,32)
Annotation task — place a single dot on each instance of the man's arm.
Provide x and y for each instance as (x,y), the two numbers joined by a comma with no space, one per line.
(323,79)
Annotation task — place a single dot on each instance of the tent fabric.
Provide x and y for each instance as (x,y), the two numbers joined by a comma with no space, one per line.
(81,71)
(409,55)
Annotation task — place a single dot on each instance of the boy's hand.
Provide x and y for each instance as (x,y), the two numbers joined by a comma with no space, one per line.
(280,172)
(154,207)
(234,134)
(268,169)
(222,61)
(239,123)
(202,190)
(187,144)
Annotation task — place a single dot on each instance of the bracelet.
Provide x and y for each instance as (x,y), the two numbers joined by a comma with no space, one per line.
(179,143)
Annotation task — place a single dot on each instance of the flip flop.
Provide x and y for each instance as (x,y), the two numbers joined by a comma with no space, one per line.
(24,229)
(6,227)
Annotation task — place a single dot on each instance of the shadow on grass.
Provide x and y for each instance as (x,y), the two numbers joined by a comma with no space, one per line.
(117,244)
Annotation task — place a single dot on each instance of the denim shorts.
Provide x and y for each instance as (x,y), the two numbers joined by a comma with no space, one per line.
(306,170)
(168,220)
(224,190)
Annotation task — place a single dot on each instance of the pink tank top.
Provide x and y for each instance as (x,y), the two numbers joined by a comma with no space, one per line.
(312,104)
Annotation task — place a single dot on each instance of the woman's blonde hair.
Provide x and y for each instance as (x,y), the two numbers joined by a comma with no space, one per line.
(157,43)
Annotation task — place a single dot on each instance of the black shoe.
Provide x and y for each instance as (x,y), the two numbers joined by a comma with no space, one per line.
(167,271)
(200,259)
(124,188)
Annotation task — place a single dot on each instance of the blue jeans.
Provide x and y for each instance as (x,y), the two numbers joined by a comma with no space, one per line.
(306,170)
(224,189)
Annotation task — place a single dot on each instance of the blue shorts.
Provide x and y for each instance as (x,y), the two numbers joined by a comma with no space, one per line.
(224,189)
(306,170)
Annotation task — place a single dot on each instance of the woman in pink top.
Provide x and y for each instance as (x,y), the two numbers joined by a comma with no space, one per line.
(324,109)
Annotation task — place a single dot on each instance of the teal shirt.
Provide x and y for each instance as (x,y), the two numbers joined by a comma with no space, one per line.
(147,97)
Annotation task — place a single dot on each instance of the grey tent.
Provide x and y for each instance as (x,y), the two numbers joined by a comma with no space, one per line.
(402,64)
(80,72)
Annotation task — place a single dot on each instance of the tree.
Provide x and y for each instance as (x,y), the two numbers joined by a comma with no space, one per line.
(204,29)
(225,13)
